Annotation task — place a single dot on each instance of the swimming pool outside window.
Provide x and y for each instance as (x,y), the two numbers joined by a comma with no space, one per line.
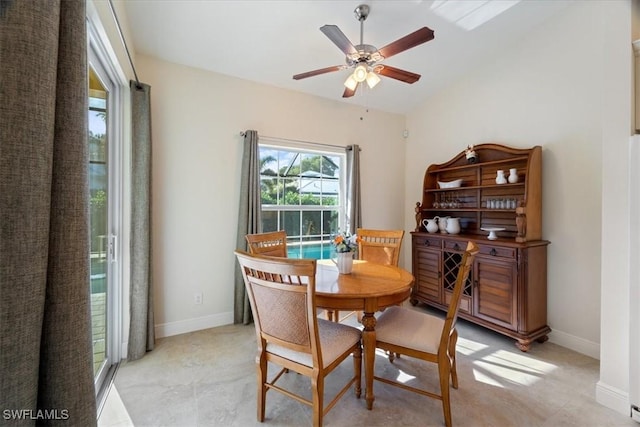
(301,192)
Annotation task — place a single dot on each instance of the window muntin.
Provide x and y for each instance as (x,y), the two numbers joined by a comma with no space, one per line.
(301,193)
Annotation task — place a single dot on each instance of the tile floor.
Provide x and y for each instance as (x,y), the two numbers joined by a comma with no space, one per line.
(114,413)
(207,378)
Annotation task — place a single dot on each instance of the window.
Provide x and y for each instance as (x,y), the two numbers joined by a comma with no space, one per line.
(302,193)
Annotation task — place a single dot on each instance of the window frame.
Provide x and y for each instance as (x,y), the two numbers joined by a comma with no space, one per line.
(309,149)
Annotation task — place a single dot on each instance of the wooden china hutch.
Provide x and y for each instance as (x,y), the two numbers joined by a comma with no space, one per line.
(507,288)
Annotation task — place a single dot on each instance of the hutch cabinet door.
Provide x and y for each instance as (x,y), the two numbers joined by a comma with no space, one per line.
(495,291)
(427,273)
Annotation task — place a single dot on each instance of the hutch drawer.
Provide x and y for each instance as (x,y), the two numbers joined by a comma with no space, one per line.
(428,241)
(497,251)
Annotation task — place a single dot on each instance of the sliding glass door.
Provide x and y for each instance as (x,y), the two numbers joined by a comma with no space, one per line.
(98,140)
(104,140)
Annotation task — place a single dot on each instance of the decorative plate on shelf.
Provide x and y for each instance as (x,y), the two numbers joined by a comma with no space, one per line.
(492,232)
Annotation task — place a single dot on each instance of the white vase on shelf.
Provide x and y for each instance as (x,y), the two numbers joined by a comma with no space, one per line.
(513,175)
(500,178)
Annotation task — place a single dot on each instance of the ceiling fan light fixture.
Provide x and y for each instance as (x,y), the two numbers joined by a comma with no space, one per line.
(351,82)
(372,79)
(360,73)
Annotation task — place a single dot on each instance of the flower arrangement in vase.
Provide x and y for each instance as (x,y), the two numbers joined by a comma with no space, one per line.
(345,245)
(345,242)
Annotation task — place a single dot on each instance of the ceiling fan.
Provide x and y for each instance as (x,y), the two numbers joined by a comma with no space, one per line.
(366,59)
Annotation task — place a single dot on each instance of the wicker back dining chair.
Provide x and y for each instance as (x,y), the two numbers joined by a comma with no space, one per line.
(427,337)
(379,246)
(289,334)
(273,243)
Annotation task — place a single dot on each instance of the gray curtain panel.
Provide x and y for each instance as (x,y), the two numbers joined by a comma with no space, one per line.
(249,218)
(45,325)
(141,327)
(354,205)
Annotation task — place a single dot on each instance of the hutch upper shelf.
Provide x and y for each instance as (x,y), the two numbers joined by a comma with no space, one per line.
(479,202)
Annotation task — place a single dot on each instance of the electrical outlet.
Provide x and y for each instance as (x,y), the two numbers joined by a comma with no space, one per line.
(197,298)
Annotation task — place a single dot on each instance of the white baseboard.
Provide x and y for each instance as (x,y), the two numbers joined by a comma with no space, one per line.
(613,398)
(191,325)
(572,342)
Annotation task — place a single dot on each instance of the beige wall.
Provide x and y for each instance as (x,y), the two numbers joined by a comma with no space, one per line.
(544,91)
(197,118)
(571,95)
(616,281)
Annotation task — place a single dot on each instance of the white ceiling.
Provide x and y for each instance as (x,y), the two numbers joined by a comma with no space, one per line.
(270,41)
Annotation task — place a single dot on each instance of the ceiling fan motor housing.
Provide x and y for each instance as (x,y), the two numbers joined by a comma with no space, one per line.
(365,53)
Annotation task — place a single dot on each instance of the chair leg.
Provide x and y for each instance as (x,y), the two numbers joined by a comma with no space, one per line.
(357,368)
(444,371)
(391,355)
(452,357)
(317,393)
(261,367)
(329,315)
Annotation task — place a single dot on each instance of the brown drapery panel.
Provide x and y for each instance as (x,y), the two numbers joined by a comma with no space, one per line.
(141,327)
(354,204)
(45,326)
(249,218)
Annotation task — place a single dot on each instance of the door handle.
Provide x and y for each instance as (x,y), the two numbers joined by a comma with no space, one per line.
(493,252)
(113,248)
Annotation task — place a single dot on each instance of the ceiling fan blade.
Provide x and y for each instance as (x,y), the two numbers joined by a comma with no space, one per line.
(416,38)
(398,74)
(317,72)
(338,38)
(348,93)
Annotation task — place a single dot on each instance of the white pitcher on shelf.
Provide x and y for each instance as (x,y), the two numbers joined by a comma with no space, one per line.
(513,176)
(431,225)
(453,225)
(442,223)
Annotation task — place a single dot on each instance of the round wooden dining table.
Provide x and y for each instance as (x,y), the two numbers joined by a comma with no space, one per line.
(368,288)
